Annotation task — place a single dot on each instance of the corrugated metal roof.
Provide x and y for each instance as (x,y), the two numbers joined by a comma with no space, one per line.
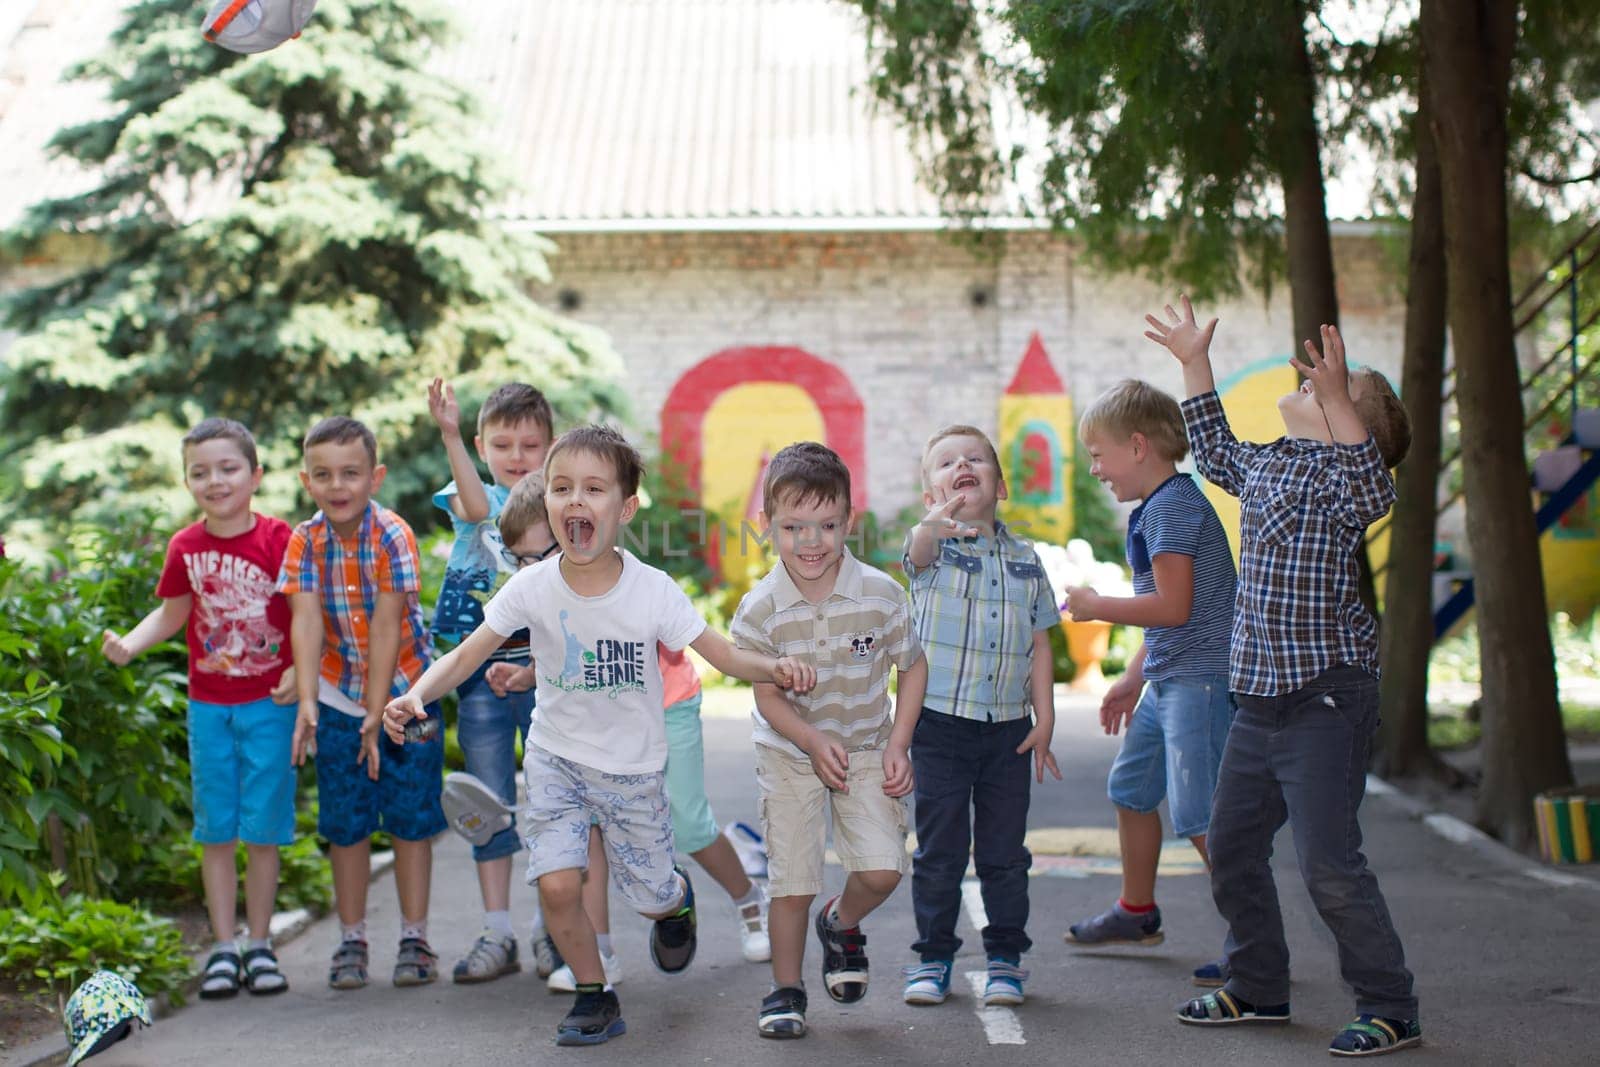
(615,114)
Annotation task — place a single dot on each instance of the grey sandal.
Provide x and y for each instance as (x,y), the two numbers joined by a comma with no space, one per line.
(349,968)
(417,964)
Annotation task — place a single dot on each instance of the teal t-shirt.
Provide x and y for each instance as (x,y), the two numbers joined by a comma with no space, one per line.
(475,557)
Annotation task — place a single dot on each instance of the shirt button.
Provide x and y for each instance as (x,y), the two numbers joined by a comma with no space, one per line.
(991,644)
(994,581)
(821,643)
(994,614)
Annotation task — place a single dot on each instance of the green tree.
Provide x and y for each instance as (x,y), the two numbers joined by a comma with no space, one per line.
(275,238)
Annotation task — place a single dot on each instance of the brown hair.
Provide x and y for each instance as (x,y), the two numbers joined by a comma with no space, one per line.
(1384,416)
(803,472)
(958,429)
(341,430)
(216,429)
(1132,406)
(609,445)
(515,402)
(524,509)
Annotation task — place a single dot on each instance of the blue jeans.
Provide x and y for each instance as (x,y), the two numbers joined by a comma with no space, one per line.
(971,786)
(1301,758)
(1172,749)
(487,727)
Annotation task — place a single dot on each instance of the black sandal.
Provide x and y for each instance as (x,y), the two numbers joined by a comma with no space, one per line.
(220,978)
(261,975)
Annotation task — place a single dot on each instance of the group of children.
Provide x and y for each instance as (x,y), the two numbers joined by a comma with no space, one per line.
(1251,702)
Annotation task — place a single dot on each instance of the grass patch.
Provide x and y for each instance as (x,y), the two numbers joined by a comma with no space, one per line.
(1449,727)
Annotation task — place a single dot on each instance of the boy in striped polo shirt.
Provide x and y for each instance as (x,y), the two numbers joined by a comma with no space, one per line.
(352,575)
(1183,583)
(835,743)
(984,610)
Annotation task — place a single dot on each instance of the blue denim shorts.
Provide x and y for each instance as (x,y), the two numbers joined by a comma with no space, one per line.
(405,798)
(240,770)
(487,727)
(1172,749)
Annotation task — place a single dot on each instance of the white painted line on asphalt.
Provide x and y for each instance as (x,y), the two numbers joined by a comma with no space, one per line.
(1453,829)
(972,897)
(1000,1025)
(1556,878)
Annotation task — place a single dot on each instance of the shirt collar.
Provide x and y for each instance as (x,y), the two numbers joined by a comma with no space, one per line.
(846,584)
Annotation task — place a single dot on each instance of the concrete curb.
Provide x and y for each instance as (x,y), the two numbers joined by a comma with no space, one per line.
(1481,844)
(285,927)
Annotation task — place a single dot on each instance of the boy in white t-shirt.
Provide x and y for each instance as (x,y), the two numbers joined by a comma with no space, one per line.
(597,746)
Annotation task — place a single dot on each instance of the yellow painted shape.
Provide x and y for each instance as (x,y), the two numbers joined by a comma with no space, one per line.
(1579,812)
(1051,522)
(743,423)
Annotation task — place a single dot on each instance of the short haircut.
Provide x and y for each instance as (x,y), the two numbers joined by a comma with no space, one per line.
(805,472)
(341,430)
(1131,407)
(513,403)
(958,429)
(524,509)
(1384,416)
(606,443)
(215,429)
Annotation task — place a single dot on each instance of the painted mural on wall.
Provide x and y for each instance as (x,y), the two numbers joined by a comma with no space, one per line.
(1035,444)
(730,413)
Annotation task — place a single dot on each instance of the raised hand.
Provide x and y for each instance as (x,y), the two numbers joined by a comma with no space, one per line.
(1180,334)
(942,521)
(443,407)
(1083,604)
(1327,370)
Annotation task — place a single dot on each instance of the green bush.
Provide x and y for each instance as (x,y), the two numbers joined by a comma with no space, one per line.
(30,741)
(59,942)
(304,878)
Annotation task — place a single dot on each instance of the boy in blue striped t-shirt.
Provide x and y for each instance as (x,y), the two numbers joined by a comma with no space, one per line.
(1184,585)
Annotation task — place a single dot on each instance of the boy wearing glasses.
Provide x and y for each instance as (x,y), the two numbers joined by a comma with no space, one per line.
(514,431)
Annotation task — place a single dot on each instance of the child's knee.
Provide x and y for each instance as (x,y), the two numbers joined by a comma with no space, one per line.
(561,890)
(879,883)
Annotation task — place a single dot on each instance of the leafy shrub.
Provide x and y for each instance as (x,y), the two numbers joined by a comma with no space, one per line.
(304,878)
(60,942)
(30,741)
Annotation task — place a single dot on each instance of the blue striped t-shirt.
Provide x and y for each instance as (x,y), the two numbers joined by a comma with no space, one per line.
(1177,518)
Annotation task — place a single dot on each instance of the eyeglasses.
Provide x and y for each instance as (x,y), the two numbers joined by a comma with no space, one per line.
(528,559)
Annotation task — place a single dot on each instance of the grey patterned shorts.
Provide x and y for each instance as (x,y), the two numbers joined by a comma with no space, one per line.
(631,810)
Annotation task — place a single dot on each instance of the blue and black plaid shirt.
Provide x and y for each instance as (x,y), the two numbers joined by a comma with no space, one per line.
(1304,508)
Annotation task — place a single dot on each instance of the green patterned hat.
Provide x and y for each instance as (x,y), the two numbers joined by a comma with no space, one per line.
(102,1012)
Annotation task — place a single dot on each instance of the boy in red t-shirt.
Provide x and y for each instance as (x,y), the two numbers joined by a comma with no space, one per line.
(218,579)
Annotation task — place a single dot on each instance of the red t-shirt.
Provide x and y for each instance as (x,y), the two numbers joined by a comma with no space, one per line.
(238,629)
(679,679)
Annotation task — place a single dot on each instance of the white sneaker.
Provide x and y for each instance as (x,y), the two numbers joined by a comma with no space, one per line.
(754,943)
(562,981)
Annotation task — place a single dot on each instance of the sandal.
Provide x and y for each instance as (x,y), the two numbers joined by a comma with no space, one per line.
(220,979)
(1373,1035)
(261,975)
(417,964)
(349,968)
(1224,1009)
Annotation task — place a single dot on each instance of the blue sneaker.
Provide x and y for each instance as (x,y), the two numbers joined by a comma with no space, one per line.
(1212,975)
(928,982)
(673,939)
(1004,985)
(1115,926)
(594,1019)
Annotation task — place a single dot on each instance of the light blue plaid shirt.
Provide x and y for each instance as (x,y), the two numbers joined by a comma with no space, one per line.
(976,608)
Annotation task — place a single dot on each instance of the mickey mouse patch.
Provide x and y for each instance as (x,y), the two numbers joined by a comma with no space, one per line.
(862,644)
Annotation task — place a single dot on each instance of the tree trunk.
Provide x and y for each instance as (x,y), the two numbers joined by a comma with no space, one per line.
(1467,47)
(1408,588)
(1312,294)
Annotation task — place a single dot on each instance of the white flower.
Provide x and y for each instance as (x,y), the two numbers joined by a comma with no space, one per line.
(1075,565)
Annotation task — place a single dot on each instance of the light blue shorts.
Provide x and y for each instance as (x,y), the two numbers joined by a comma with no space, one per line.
(240,770)
(487,727)
(693,825)
(1172,749)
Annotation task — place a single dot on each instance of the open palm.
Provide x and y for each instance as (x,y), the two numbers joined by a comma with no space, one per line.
(1180,334)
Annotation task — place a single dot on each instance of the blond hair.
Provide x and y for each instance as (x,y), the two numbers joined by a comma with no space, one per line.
(1132,406)
(524,509)
(958,430)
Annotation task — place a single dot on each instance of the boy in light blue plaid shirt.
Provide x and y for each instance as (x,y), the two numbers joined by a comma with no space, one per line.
(983,610)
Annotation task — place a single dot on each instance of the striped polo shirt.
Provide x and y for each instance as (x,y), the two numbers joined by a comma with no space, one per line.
(1177,519)
(853,637)
(976,609)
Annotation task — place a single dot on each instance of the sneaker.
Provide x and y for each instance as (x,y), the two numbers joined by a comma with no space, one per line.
(472,809)
(1222,1008)
(673,939)
(1117,927)
(1373,1035)
(844,958)
(546,957)
(1004,984)
(783,1013)
(490,957)
(753,940)
(1213,974)
(750,847)
(928,982)
(562,981)
(595,1018)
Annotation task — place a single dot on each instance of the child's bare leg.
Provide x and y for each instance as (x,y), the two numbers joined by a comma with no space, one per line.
(786,926)
(1199,843)
(352,869)
(863,892)
(220,877)
(722,864)
(596,885)
(413,878)
(494,883)
(1140,835)
(561,898)
(260,889)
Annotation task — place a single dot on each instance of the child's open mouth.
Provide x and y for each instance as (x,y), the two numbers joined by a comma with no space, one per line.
(965,481)
(581,533)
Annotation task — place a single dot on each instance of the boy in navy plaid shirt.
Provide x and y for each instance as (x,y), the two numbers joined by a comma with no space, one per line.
(1304,670)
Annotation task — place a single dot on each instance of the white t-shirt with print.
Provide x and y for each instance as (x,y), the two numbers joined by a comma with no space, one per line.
(598,695)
